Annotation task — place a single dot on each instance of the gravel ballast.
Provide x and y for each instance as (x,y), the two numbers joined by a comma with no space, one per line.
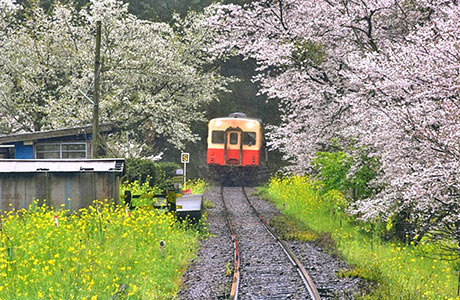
(206,277)
(262,277)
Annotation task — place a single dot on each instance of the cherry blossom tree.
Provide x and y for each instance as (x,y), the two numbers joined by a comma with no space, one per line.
(155,77)
(302,49)
(415,115)
(8,9)
(381,74)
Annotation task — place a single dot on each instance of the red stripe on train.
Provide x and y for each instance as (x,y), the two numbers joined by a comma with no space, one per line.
(216,157)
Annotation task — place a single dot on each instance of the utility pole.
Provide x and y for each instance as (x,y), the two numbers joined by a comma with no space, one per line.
(97,69)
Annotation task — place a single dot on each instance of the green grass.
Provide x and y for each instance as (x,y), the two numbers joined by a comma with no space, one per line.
(292,229)
(208,204)
(197,186)
(399,271)
(93,254)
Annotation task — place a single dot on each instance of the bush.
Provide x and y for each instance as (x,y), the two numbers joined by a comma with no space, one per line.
(197,185)
(141,170)
(350,175)
(332,168)
(146,171)
(145,192)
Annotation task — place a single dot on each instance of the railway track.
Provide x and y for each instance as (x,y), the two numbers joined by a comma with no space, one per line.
(264,266)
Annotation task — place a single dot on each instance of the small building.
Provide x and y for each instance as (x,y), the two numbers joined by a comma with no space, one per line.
(74,184)
(68,143)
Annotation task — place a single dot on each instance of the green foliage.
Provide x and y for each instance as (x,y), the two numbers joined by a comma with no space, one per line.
(208,204)
(155,10)
(165,171)
(308,53)
(366,170)
(404,226)
(140,170)
(292,229)
(161,10)
(359,272)
(147,171)
(144,190)
(333,169)
(198,185)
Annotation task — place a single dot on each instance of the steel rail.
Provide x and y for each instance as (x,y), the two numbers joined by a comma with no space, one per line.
(236,271)
(293,258)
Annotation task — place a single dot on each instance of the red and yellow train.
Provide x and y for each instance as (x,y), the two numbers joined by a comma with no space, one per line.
(234,144)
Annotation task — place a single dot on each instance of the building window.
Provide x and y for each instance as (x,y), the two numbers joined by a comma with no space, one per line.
(6,151)
(61,150)
(73,150)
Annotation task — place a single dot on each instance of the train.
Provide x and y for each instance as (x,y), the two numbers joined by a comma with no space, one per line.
(234,147)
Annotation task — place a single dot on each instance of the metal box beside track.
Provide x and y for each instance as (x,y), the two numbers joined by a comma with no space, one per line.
(189,206)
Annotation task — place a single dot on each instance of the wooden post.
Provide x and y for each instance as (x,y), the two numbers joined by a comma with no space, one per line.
(97,69)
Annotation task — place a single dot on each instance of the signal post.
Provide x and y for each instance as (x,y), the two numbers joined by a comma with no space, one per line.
(185,159)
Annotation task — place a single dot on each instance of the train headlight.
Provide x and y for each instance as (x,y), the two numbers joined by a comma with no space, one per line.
(249,125)
(218,122)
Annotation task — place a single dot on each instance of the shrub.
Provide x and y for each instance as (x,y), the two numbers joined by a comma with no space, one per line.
(165,172)
(352,175)
(332,168)
(197,186)
(144,190)
(146,171)
(142,170)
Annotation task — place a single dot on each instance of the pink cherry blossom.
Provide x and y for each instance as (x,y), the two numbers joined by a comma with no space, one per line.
(384,73)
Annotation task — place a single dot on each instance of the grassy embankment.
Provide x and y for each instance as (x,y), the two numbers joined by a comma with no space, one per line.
(398,271)
(93,254)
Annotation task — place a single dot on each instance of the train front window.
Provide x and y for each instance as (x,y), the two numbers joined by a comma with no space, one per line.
(233,138)
(249,138)
(218,137)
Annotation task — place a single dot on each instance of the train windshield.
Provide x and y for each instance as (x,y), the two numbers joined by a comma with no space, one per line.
(218,137)
(233,138)
(249,138)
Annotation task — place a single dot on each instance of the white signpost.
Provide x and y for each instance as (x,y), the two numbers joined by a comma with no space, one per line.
(185,159)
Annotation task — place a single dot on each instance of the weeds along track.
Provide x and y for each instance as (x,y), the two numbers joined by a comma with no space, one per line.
(264,266)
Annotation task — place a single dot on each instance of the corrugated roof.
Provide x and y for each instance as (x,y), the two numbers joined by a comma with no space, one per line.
(31,136)
(112,165)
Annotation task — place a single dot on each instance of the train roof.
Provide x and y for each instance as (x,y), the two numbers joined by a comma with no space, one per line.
(238,115)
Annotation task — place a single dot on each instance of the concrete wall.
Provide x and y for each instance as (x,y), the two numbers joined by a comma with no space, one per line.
(75,190)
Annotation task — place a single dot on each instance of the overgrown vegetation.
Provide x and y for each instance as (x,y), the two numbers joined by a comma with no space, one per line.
(145,192)
(145,171)
(334,169)
(196,186)
(401,270)
(103,252)
(292,229)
